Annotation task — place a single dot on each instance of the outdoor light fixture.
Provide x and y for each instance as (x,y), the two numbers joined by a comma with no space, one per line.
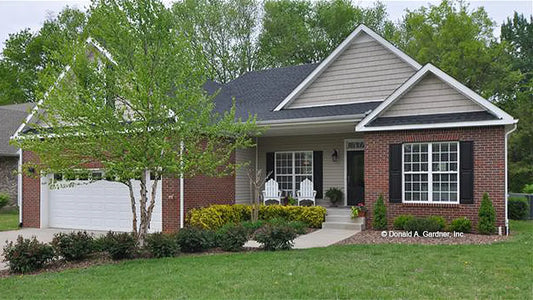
(334,155)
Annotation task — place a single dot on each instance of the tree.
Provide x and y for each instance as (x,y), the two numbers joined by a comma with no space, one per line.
(518,34)
(26,55)
(224,31)
(137,108)
(302,31)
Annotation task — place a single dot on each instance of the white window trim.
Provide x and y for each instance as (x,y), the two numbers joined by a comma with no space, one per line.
(293,175)
(430,174)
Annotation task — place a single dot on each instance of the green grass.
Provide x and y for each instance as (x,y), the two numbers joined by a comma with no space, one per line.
(9,220)
(501,270)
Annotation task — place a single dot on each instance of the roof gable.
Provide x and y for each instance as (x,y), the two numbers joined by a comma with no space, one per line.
(480,112)
(364,67)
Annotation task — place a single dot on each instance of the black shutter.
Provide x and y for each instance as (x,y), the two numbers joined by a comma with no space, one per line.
(466,172)
(270,165)
(395,173)
(317,173)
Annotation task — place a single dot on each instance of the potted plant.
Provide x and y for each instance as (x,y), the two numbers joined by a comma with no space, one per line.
(335,195)
(359,211)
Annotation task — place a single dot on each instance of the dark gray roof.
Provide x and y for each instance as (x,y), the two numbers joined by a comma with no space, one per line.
(259,92)
(432,119)
(11,116)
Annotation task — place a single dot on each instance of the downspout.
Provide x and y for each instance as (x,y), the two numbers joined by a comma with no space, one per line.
(19,186)
(507,179)
(181,185)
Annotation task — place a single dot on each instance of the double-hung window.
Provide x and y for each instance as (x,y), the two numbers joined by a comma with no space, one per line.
(291,168)
(431,172)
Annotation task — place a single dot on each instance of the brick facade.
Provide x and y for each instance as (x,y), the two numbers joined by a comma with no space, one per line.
(31,195)
(489,171)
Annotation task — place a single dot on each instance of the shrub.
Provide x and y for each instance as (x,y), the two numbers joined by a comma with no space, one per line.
(440,221)
(299,226)
(4,200)
(379,222)
(399,221)
(487,216)
(73,246)
(518,208)
(276,236)
(528,189)
(119,245)
(461,225)
(420,225)
(215,216)
(26,255)
(335,195)
(251,227)
(193,239)
(232,237)
(161,245)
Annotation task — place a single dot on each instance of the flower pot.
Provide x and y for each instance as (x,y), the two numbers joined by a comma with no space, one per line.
(361,214)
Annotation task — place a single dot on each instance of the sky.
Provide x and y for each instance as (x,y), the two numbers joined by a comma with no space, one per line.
(18,15)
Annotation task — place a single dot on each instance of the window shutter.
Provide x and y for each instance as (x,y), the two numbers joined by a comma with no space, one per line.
(466,172)
(395,173)
(317,173)
(270,165)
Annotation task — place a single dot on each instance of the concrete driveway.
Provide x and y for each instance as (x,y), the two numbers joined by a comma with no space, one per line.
(44,235)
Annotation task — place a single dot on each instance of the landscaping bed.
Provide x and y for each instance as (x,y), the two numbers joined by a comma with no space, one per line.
(375,237)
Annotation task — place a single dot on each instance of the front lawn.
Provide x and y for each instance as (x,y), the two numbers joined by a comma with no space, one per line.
(9,220)
(501,270)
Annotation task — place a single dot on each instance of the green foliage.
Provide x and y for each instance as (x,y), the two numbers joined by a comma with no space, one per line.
(232,237)
(400,221)
(215,216)
(73,246)
(528,189)
(379,220)
(193,239)
(252,226)
(441,221)
(161,245)
(119,245)
(518,208)
(420,225)
(335,195)
(487,216)
(4,200)
(27,255)
(276,236)
(462,224)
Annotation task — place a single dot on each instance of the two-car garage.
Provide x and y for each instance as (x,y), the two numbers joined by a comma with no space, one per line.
(92,205)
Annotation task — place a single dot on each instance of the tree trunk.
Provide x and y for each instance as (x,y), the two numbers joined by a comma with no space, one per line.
(143,227)
(133,208)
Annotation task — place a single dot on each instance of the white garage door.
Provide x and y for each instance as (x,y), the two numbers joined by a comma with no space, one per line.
(100,205)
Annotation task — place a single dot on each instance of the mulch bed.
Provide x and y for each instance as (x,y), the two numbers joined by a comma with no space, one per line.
(374,237)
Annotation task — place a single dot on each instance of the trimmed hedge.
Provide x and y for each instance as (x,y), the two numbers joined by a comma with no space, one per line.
(461,225)
(400,221)
(215,216)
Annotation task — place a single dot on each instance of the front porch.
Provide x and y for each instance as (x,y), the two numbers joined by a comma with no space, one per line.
(329,160)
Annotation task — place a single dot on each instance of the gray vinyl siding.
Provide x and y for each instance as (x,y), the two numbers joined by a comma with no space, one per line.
(365,71)
(333,172)
(431,96)
(243,193)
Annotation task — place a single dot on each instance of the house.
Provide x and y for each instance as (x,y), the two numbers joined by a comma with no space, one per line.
(10,118)
(368,120)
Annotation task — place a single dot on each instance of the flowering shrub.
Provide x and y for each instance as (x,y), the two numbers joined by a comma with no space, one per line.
(26,255)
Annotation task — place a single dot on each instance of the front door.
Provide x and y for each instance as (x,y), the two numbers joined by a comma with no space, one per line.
(355,177)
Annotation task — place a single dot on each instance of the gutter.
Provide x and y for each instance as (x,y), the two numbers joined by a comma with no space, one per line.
(507,178)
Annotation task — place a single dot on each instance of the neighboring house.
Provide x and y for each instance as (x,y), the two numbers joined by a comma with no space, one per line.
(368,120)
(10,118)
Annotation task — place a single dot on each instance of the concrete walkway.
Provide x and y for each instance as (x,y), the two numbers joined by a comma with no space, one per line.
(44,235)
(315,239)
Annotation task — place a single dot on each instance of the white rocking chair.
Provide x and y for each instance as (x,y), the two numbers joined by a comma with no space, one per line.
(271,192)
(306,192)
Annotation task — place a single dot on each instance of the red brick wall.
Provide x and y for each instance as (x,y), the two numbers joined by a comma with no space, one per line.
(31,195)
(489,171)
(199,191)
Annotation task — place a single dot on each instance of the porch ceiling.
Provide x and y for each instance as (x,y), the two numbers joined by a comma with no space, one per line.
(293,129)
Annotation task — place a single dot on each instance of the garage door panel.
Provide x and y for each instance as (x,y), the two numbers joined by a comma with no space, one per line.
(102,205)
